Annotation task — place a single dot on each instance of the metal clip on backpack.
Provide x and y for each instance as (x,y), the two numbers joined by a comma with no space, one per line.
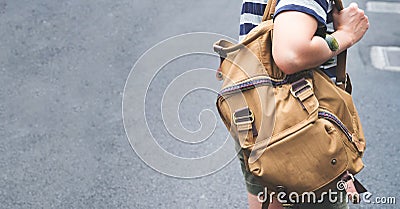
(299,132)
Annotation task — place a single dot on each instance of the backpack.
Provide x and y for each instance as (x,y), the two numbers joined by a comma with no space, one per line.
(298,132)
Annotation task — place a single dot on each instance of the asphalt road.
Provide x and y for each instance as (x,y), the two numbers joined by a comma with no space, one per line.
(63,68)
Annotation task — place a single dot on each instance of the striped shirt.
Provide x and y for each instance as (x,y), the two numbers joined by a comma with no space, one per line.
(253,10)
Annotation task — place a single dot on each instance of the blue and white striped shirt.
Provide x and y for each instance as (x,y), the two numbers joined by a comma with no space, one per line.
(253,10)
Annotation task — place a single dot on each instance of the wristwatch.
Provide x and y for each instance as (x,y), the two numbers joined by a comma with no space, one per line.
(332,43)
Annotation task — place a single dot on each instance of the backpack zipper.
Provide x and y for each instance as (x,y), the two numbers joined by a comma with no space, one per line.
(332,118)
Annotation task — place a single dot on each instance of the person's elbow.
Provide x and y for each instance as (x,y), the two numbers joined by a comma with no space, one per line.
(289,61)
(292,47)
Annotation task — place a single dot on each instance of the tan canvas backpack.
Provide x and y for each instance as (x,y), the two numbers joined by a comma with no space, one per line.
(298,132)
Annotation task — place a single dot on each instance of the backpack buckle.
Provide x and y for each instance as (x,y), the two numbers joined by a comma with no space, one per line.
(299,87)
(243,116)
(303,91)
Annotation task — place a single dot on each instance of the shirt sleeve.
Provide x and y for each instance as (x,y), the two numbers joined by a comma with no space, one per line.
(316,8)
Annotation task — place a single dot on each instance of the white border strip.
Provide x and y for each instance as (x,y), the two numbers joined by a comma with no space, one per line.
(383,7)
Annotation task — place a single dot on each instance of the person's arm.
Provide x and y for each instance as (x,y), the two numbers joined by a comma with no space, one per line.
(295,47)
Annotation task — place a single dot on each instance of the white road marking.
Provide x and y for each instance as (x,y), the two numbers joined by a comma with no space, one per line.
(383,6)
(380,58)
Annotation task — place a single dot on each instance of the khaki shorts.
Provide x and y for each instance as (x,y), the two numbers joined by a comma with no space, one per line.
(252,186)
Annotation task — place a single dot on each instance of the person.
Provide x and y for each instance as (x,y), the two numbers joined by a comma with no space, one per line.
(296,47)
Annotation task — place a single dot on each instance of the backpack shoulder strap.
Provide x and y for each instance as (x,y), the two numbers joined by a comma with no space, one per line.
(269,10)
(341,58)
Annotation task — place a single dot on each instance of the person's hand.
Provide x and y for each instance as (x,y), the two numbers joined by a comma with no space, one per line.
(352,21)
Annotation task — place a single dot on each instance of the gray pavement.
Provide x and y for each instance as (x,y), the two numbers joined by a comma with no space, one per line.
(63,67)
